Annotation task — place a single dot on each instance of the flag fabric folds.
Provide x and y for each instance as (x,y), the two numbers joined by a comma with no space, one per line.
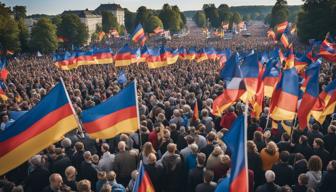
(43,125)
(3,71)
(235,86)
(311,94)
(123,57)
(284,40)
(66,61)
(281,27)
(270,77)
(3,95)
(139,35)
(143,182)
(250,70)
(285,96)
(116,115)
(328,50)
(236,141)
(326,103)
(196,112)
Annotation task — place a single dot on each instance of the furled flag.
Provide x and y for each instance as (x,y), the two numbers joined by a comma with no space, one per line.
(143,182)
(196,112)
(284,40)
(270,77)
(123,56)
(236,141)
(281,27)
(328,50)
(3,95)
(326,103)
(250,70)
(3,71)
(285,96)
(43,125)
(290,60)
(118,114)
(235,86)
(139,35)
(311,94)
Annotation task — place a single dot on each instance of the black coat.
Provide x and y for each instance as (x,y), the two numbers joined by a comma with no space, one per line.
(77,159)
(155,174)
(324,155)
(207,150)
(329,142)
(328,183)
(255,164)
(37,180)
(268,187)
(172,173)
(206,187)
(305,149)
(195,177)
(299,167)
(284,174)
(87,171)
(60,164)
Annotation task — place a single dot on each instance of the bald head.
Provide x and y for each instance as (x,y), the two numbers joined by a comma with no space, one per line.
(122,146)
(55,181)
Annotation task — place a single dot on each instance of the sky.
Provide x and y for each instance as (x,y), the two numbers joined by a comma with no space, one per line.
(53,7)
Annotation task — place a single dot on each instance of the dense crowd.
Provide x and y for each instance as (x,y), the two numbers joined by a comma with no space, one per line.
(178,152)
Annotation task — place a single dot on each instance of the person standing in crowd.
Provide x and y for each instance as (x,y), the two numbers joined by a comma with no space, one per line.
(208,185)
(328,183)
(87,170)
(37,179)
(56,183)
(269,156)
(125,162)
(107,159)
(283,171)
(269,186)
(314,172)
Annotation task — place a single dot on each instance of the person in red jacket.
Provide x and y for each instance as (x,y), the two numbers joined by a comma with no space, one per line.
(228,118)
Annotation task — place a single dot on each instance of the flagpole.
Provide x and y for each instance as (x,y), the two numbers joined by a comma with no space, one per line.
(137,109)
(292,129)
(73,109)
(245,141)
(268,117)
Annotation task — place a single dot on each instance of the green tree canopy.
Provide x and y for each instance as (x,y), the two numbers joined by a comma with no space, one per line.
(74,32)
(130,19)
(9,34)
(172,18)
(316,19)
(212,14)
(109,21)
(23,35)
(236,18)
(142,15)
(19,12)
(279,13)
(152,23)
(43,36)
(200,19)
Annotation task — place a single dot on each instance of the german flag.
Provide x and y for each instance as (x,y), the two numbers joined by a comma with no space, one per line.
(139,35)
(118,114)
(43,125)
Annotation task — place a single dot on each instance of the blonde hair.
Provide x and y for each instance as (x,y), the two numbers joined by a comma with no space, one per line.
(271,148)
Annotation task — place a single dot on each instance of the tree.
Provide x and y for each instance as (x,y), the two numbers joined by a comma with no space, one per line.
(200,19)
(212,14)
(236,18)
(152,23)
(43,36)
(279,13)
(19,12)
(171,18)
(130,19)
(164,14)
(224,13)
(23,35)
(142,15)
(57,20)
(4,11)
(9,33)
(74,32)
(316,19)
(109,22)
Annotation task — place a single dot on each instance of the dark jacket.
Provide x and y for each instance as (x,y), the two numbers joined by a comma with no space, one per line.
(328,183)
(207,150)
(330,142)
(124,164)
(77,159)
(324,155)
(195,177)
(172,172)
(255,164)
(284,174)
(206,187)
(60,164)
(300,167)
(305,149)
(299,188)
(268,187)
(87,171)
(37,180)
(155,174)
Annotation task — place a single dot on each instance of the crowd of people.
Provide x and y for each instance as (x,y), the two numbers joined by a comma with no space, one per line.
(178,152)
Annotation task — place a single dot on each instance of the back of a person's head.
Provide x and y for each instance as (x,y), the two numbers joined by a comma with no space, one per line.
(303,179)
(190,139)
(332,129)
(84,186)
(319,142)
(211,136)
(316,126)
(171,148)
(36,160)
(315,163)
(284,156)
(217,151)
(87,155)
(194,148)
(208,176)
(106,188)
(111,176)
(79,146)
(271,147)
(70,172)
(105,147)
(251,146)
(285,188)
(121,146)
(66,142)
(285,136)
(331,165)
(201,159)
(18,189)
(270,176)
(257,136)
(151,158)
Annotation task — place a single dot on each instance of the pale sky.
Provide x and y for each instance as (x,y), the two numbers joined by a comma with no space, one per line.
(53,7)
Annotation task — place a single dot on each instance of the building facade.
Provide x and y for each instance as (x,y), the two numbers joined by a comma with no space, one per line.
(115,9)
